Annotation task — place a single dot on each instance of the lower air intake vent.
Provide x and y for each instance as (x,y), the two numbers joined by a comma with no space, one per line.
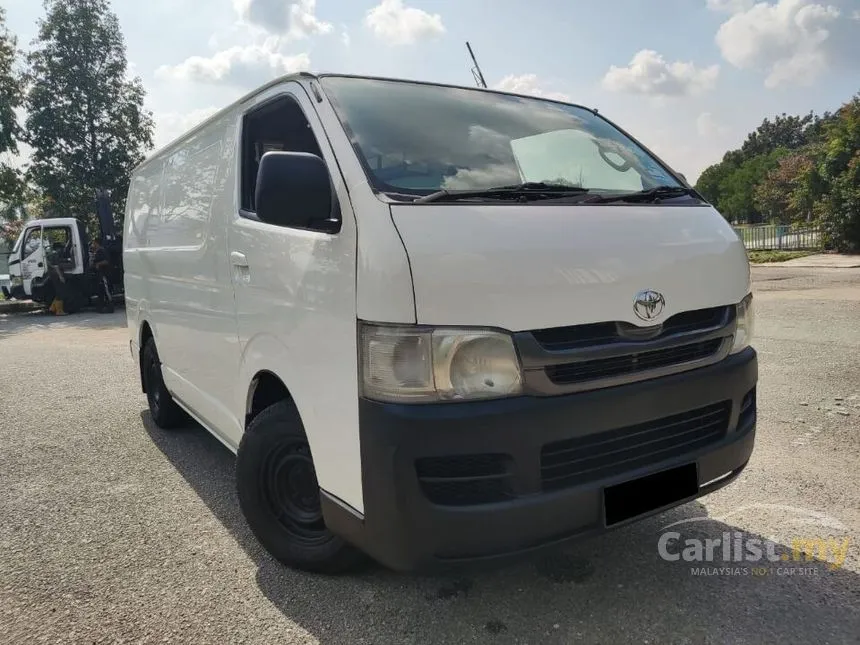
(583,459)
(464,480)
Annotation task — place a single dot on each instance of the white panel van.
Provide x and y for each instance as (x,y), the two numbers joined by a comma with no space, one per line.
(438,324)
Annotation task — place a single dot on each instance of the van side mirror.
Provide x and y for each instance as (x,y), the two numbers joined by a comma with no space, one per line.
(294,189)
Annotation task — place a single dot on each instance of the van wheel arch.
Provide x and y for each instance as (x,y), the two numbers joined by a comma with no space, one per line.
(265,390)
(145,335)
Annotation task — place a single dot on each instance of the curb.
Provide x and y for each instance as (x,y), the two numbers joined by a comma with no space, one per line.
(18,306)
(789,264)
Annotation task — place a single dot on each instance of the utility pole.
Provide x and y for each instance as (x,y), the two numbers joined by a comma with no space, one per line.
(476,70)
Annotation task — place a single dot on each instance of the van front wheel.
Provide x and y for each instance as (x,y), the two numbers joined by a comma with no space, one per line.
(280,497)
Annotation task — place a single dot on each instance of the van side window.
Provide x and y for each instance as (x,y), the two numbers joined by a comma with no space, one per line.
(277,125)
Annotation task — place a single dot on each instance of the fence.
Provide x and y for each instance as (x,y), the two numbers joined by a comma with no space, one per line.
(780,237)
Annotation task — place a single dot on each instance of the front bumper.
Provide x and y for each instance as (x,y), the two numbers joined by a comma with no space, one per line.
(403,529)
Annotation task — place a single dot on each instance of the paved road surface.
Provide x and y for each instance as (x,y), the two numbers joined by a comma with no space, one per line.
(111,530)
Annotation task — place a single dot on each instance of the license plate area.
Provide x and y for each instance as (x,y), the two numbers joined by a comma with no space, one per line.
(638,496)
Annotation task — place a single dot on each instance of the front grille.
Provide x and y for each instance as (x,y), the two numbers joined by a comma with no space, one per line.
(584,459)
(601,368)
(607,333)
(464,480)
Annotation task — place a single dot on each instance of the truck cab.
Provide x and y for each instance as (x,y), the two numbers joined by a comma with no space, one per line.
(60,242)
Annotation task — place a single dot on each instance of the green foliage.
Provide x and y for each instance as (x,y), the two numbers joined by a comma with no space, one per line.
(765,257)
(789,132)
(784,194)
(11,95)
(839,205)
(793,170)
(730,186)
(86,120)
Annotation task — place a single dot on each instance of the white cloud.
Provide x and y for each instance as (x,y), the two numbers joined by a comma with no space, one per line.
(344,36)
(170,125)
(649,73)
(528,84)
(244,67)
(398,24)
(294,18)
(708,126)
(792,41)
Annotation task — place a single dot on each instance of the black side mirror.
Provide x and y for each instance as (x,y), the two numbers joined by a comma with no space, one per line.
(294,189)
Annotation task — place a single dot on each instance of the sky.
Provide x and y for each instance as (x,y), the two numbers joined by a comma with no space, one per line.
(688,78)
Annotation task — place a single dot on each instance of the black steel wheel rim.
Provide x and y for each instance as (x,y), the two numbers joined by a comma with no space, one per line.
(290,489)
(153,384)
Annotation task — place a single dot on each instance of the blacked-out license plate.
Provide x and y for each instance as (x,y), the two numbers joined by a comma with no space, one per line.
(638,496)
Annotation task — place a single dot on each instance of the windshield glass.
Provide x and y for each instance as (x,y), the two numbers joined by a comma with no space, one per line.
(418,139)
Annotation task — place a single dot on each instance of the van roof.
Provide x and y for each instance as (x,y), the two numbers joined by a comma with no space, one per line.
(315,76)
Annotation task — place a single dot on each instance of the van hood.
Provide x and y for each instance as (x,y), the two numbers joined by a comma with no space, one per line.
(522,267)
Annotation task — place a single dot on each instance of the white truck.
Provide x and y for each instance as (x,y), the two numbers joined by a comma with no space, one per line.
(65,241)
(438,324)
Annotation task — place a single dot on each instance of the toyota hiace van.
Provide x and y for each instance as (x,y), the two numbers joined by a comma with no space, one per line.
(438,324)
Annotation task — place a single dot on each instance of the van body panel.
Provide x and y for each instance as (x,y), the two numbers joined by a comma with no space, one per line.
(522,267)
(179,244)
(296,318)
(383,280)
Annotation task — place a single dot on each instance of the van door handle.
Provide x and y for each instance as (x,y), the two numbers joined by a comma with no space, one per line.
(238,259)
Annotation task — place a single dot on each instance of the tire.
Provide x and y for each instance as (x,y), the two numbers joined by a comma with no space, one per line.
(74,300)
(279,494)
(43,294)
(166,414)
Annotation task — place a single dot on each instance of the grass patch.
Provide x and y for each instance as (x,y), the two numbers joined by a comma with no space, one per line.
(762,257)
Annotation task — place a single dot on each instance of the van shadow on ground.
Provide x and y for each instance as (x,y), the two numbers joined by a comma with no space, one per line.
(609,589)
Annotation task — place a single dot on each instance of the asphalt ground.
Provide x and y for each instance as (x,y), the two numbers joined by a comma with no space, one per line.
(114,531)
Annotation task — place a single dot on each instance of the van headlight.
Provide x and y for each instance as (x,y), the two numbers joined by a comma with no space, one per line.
(16,281)
(424,364)
(745,324)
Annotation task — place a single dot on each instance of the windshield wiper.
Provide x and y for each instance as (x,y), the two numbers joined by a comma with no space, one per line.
(526,191)
(648,195)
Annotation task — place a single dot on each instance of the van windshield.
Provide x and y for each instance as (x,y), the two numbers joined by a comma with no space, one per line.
(416,139)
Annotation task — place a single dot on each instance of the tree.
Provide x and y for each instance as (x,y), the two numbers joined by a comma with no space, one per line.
(737,189)
(11,96)
(839,206)
(789,132)
(712,179)
(86,120)
(784,193)
(730,185)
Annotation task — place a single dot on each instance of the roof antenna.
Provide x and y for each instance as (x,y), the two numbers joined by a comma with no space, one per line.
(476,70)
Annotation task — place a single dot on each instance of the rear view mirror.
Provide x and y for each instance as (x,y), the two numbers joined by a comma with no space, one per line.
(294,189)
